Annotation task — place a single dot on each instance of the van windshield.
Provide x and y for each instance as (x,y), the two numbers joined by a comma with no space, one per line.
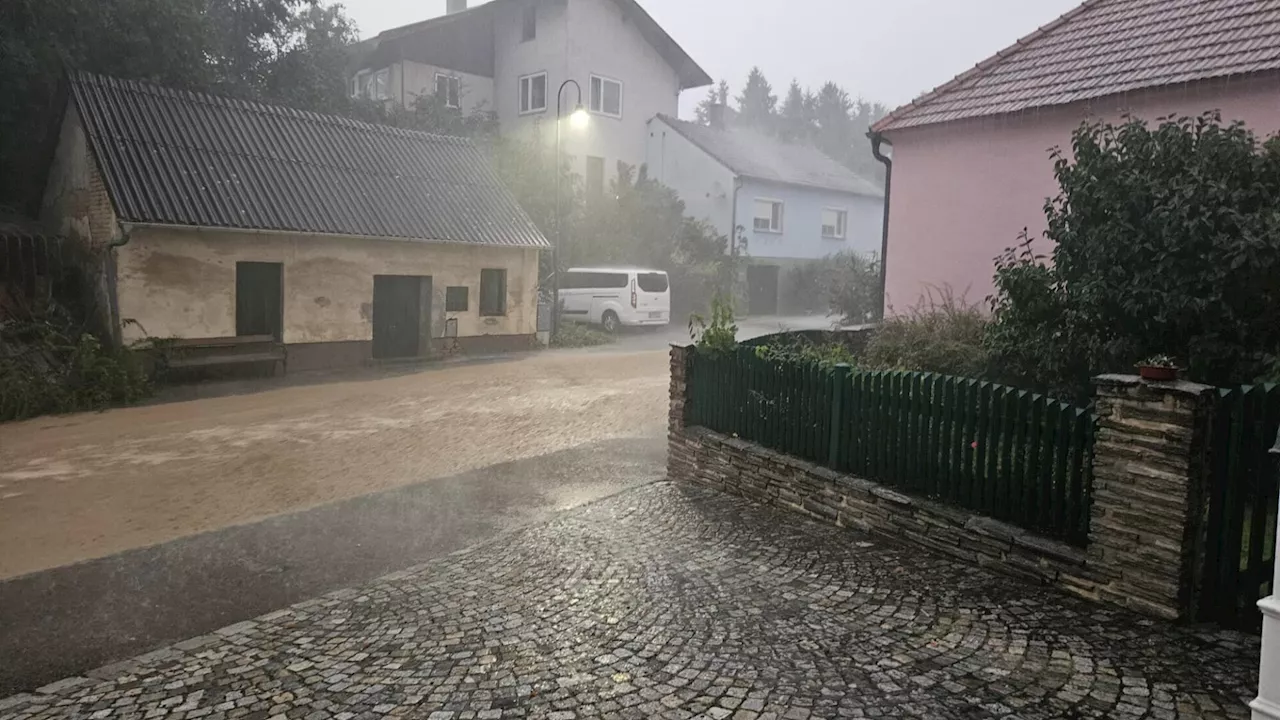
(652,282)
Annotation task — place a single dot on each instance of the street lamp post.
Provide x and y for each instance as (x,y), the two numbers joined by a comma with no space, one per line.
(1267,704)
(578,119)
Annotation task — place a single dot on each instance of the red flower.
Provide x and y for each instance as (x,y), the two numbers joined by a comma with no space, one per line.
(974,444)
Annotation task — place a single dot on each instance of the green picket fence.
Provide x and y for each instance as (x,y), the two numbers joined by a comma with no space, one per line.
(1013,455)
(783,406)
(1238,558)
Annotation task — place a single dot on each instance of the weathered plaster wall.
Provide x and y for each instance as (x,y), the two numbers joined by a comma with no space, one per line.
(76,205)
(75,201)
(181,283)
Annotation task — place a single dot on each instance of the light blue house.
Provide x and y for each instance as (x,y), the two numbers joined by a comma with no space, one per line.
(793,203)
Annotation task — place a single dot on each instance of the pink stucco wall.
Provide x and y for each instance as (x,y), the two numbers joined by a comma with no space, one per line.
(963,191)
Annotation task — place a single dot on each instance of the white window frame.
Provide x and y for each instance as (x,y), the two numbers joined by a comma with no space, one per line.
(781,215)
(591,95)
(521,91)
(842,223)
(456,83)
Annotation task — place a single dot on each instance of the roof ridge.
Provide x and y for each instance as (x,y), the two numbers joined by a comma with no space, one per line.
(254,105)
(984,65)
(689,131)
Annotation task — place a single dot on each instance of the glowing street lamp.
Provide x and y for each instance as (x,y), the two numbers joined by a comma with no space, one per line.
(578,120)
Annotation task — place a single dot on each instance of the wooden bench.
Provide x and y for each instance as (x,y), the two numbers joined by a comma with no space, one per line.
(191,353)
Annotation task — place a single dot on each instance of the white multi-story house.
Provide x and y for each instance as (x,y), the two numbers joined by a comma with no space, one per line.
(513,56)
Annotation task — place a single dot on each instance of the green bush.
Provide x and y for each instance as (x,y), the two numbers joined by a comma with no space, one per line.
(852,287)
(579,335)
(49,369)
(720,334)
(1165,241)
(799,349)
(942,334)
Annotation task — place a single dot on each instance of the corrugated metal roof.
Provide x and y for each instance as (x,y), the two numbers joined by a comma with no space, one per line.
(1105,47)
(184,158)
(755,154)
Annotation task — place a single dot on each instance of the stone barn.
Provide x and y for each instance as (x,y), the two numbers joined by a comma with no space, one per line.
(247,229)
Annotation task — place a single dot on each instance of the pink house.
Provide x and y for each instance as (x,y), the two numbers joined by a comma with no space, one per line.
(970,163)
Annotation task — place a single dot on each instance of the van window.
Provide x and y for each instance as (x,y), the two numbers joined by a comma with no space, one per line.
(593,281)
(652,282)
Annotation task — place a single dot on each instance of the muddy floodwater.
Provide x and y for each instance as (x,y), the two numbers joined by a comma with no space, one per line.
(89,485)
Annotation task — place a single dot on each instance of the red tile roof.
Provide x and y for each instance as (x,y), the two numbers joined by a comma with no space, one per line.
(1104,47)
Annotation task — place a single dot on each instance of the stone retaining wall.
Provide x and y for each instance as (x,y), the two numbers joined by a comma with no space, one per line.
(741,468)
(1148,465)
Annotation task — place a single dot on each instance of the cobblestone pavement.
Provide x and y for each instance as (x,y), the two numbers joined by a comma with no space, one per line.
(670,601)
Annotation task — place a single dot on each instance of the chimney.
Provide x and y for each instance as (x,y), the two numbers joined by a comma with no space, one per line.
(455,6)
(715,115)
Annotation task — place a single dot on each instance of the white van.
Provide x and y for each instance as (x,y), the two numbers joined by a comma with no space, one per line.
(616,297)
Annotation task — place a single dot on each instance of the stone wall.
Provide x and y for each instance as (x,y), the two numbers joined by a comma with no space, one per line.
(1148,466)
(1148,486)
(181,283)
(741,468)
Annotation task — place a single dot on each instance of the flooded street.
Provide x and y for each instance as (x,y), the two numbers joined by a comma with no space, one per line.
(91,485)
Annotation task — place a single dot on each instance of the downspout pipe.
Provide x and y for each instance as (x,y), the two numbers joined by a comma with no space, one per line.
(733,241)
(113,296)
(877,141)
(733,217)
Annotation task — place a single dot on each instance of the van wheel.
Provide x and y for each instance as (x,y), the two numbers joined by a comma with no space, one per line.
(610,321)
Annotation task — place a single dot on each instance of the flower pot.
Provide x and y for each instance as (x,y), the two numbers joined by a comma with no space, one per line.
(1148,372)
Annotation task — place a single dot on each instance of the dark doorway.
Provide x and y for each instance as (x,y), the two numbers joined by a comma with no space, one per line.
(401,307)
(260,299)
(762,290)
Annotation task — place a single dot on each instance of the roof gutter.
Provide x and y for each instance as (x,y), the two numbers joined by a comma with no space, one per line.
(878,139)
(129,226)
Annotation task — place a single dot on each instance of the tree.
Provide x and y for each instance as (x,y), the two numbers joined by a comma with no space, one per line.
(528,167)
(796,119)
(243,39)
(291,51)
(836,133)
(757,103)
(309,68)
(1166,241)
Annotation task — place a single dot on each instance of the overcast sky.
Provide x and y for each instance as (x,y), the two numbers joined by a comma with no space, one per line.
(885,50)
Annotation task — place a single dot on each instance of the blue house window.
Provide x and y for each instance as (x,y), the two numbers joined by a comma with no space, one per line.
(768,215)
(835,223)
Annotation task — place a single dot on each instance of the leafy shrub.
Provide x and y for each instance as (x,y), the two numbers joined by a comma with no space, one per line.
(1166,240)
(853,287)
(943,334)
(579,335)
(720,335)
(846,284)
(47,369)
(801,350)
